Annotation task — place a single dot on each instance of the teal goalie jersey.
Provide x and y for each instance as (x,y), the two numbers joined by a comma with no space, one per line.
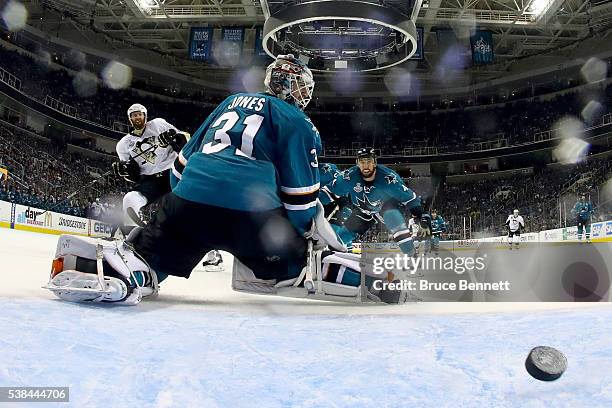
(254,152)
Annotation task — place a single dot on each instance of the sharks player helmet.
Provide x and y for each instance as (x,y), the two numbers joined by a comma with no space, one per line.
(291,80)
(366,152)
(136,108)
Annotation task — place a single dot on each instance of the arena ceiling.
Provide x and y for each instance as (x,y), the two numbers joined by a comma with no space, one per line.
(520,27)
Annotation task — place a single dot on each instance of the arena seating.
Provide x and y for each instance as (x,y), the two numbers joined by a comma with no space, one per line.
(391,129)
(536,196)
(43,173)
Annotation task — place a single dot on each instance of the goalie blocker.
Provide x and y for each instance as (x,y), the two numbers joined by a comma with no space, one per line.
(101,270)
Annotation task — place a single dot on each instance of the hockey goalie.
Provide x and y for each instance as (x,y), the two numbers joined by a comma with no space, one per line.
(246,183)
(111,271)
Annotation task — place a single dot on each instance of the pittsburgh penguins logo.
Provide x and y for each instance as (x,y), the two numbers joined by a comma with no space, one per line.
(147,145)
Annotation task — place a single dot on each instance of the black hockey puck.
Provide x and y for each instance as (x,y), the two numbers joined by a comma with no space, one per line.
(545,363)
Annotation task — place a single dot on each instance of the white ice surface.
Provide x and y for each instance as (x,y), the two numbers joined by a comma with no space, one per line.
(202,345)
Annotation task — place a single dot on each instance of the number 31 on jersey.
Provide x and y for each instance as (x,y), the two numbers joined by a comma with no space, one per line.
(222,139)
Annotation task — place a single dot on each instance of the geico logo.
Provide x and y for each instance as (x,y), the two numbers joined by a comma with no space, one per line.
(31,214)
(103,228)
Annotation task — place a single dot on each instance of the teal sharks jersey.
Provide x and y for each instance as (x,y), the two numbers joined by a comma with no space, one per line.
(254,152)
(438,226)
(584,210)
(327,173)
(370,196)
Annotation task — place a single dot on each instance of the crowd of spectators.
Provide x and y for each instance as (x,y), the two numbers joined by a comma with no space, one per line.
(91,99)
(544,198)
(454,130)
(43,174)
(388,127)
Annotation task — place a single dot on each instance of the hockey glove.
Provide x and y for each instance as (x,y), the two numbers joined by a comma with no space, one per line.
(174,139)
(336,203)
(322,233)
(128,170)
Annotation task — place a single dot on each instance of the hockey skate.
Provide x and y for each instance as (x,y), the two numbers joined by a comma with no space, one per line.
(213,262)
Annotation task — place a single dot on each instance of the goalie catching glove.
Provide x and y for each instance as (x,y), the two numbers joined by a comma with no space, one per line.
(174,139)
(322,233)
(128,170)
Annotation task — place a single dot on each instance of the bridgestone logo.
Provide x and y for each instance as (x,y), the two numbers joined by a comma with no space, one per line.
(72,223)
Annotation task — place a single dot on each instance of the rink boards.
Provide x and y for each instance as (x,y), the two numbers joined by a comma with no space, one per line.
(600,232)
(26,218)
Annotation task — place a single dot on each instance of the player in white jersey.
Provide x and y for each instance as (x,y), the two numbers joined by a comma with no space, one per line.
(515,224)
(146,156)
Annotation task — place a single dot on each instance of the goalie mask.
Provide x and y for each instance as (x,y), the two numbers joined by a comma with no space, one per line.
(137,108)
(291,80)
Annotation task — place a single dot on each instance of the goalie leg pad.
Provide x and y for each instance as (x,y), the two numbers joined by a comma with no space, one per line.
(244,280)
(323,233)
(337,273)
(65,283)
(329,275)
(88,269)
